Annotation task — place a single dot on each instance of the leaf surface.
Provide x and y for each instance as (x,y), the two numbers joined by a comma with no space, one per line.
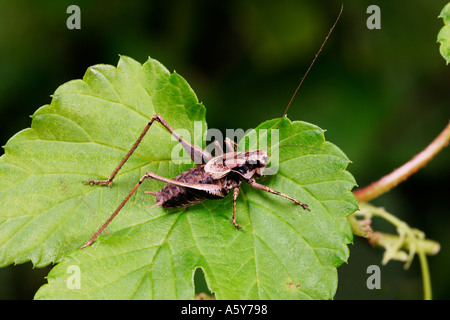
(282,252)
(444,34)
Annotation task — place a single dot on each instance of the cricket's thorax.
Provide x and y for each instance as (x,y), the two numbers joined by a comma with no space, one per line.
(172,196)
(248,164)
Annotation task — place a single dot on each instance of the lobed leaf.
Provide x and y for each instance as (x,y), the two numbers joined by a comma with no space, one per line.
(46,213)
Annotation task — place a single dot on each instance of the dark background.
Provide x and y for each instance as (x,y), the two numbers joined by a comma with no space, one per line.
(382,95)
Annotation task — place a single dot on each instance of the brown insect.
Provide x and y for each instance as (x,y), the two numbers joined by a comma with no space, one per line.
(213,178)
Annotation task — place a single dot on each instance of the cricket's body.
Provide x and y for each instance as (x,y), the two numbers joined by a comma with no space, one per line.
(211,174)
(172,196)
(212,179)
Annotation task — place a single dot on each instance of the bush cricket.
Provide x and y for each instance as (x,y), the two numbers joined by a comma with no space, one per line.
(214,178)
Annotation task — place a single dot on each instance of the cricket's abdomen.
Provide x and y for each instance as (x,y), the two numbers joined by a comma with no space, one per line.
(171,196)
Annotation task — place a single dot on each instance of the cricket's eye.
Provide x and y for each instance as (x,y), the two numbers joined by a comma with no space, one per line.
(259,163)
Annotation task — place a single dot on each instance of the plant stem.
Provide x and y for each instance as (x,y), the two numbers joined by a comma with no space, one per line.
(362,228)
(408,239)
(426,246)
(427,293)
(389,181)
(398,247)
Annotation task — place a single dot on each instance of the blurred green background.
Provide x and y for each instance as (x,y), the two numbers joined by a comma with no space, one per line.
(382,95)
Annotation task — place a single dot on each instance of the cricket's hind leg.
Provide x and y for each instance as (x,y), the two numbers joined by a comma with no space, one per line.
(197,154)
(211,189)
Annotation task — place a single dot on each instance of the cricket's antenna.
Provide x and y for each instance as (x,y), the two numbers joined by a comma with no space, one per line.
(292,145)
(309,68)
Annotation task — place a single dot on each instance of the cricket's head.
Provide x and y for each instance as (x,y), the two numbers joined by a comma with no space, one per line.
(248,164)
(251,163)
(256,158)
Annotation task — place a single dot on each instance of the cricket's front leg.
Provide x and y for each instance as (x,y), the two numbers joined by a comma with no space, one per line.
(256,185)
(235,195)
(230,145)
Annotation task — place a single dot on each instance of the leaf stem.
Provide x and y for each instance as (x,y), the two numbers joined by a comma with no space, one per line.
(389,181)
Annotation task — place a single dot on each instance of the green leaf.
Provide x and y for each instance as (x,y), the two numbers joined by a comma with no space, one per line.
(444,34)
(45,210)
(282,252)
